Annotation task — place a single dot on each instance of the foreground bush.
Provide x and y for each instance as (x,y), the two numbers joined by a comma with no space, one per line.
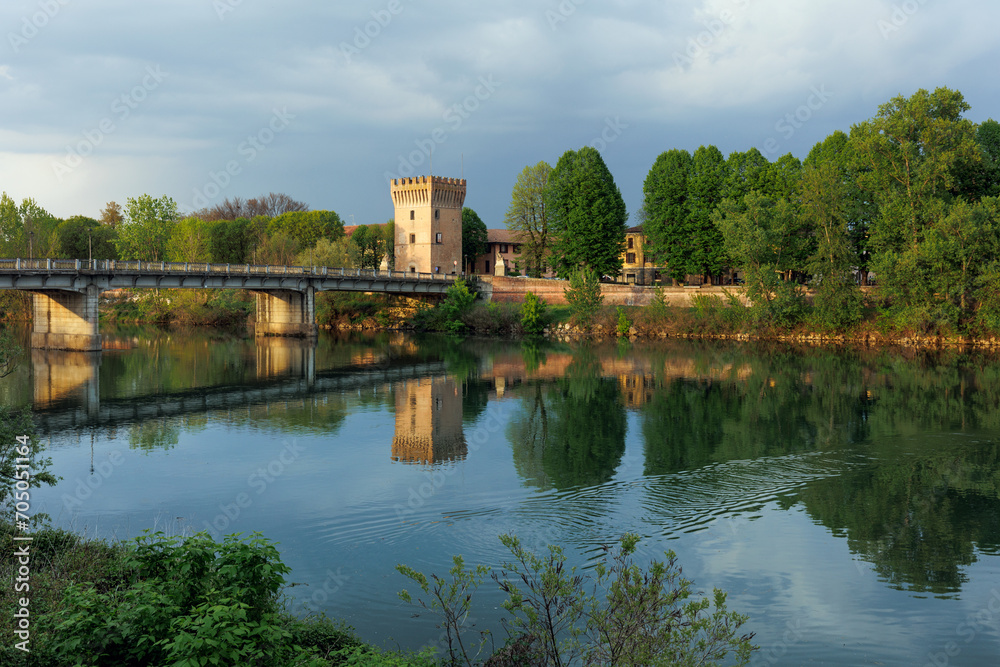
(625,615)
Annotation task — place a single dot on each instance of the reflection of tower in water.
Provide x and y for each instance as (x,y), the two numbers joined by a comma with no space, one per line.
(428,422)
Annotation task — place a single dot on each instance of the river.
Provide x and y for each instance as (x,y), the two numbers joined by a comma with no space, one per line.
(847,500)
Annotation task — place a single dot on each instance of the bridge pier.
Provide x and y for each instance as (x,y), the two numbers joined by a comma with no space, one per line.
(286,313)
(66,320)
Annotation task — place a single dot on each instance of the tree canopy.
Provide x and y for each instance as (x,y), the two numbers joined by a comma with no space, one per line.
(587,213)
(527,215)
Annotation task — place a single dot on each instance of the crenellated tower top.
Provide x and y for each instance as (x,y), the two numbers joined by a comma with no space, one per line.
(436,191)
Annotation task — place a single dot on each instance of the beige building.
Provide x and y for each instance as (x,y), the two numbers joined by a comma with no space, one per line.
(428,223)
(636,266)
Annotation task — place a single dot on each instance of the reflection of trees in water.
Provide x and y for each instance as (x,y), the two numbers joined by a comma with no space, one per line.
(571,433)
(923,499)
(154,434)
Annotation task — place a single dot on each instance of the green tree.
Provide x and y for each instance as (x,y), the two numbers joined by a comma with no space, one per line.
(389,237)
(746,172)
(705,187)
(190,241)
(528,216)
(367,246)
(81,237)
(307,227)
(756,232)
(665,206)
(912,153)
(229,241)
(587,214)
(823,210)
(146,228)
(474,238)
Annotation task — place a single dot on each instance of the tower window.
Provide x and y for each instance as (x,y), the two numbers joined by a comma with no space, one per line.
(411,214)
(438,238)
(437,213)
(413,238)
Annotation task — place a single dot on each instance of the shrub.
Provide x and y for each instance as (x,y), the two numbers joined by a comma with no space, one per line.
(532,314)
(584,297)
(186,602)
(624,323)
(625,615)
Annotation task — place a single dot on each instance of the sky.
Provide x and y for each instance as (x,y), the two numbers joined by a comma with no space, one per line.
(201,100)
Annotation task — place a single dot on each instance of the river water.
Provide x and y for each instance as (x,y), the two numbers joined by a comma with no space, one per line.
(847,500)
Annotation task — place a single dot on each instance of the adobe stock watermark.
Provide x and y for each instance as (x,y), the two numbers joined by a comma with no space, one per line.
(562,13)
(899,17)
(454,117)
(103,471)
(983,620)
(121,108)
(793,121)
(223,7)
(248,150)
(332,585)
(699,44)
(776,651)
(365,35)
(613,128)
(258,481)
(33,24)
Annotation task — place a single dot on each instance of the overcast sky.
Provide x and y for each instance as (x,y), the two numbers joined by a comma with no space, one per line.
(206,99)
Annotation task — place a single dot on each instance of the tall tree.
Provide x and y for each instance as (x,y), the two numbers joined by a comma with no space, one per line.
(823,210)
(229,241)
(587,214)
(746,172)
(475,240)
(190,241)
(528,216)
(665,207)
(146,227)
(912,154)
(308,227)
(705,187)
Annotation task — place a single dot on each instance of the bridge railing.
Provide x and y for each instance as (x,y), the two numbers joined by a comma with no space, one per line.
(201,268)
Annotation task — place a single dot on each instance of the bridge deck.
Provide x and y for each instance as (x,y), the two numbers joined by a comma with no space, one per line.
(77,275)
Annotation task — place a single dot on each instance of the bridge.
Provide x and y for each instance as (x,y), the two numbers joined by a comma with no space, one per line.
(65,292)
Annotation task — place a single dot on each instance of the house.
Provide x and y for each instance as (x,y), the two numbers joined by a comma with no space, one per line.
(502,244)
(637,268)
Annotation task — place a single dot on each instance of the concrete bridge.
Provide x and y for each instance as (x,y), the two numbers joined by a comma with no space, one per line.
(65,292)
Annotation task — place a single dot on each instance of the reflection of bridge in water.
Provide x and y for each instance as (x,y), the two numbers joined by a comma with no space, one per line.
(67,393)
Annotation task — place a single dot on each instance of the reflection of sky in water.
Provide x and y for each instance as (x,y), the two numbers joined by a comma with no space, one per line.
(345,514)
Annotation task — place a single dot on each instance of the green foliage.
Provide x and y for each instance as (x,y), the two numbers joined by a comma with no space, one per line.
(367,247)
(665,204)
(658,306)
(457,302)
(624,323)
(187,602)
(587,214)
(370,656)
(474,237)
(190,241)
(81,237)
(584,296)
(452,601)
(305,228)
(146,229)
(533,318)
(634,616)
(229,241)
(527,215)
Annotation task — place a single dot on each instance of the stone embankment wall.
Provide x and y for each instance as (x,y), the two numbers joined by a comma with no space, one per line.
(507,289)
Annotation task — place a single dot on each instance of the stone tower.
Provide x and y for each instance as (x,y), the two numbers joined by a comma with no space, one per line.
(428,223)
(429,422)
